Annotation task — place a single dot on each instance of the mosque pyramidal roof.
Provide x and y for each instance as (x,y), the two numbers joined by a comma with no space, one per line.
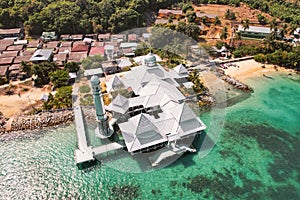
(158,112)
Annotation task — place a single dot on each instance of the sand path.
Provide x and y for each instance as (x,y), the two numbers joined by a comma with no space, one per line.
(15,104)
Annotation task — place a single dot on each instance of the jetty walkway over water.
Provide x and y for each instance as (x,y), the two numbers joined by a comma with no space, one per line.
(86,153)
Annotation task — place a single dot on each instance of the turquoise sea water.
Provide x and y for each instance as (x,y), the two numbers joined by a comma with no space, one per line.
(256,157)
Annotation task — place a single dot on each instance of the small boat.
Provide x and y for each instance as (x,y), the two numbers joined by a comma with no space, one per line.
(270,77)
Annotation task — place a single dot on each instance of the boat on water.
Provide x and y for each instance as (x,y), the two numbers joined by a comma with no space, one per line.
(270,77)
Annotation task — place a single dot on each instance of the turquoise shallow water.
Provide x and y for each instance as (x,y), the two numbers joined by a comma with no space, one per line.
(256,157)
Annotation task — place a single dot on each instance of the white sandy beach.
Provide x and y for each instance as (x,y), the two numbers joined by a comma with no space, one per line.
(251,68)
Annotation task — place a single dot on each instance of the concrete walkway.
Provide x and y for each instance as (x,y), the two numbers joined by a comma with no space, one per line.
(9,123)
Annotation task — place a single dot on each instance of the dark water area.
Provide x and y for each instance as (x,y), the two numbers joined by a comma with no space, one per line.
(256,157)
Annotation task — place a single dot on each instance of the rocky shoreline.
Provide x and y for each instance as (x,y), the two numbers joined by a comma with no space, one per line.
(232,81)
(36,121)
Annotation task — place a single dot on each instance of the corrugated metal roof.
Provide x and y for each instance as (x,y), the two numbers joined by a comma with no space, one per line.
(10,31)
(255,29)
(174,12)
(120,104)
(180,69)
(91,72)
(140,132)
(41,55)
(113,83)
(199,14)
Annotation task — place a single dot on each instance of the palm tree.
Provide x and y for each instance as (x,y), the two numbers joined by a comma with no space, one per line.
(245,23)
(236,36)
(273,24)
(274,28)
(224,33)
(227,14)
(283,30)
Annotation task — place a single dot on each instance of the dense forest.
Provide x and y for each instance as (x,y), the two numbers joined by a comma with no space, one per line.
(78,16)
(99,16)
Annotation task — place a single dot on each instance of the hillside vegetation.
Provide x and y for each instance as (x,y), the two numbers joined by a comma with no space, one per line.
(285,10)
(97,16)
(77,16)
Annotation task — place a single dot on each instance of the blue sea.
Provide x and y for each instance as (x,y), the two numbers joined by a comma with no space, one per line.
(257,156)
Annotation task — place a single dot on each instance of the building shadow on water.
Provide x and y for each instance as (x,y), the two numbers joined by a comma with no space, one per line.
(237,99)
(187,159)
(123,161)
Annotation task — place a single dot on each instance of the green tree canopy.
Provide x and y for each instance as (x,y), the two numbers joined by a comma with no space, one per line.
(224,33)
(261,19)
(62,99)
(59,78)
(124,19)
(42,72)
(92,62)
(61,16)
(191,16)
(72,66)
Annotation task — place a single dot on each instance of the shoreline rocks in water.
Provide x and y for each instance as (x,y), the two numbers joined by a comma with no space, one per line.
(206,101)
(36,121)
(232,81)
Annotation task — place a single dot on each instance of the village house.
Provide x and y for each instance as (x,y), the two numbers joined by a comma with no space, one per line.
(97,44)
(132,38)
(34,44)
(15,48)
(28,52)
(15,72)
(42,55)
(146,36)
(77,56)
(6,54)
(19,59)
(97,50)
(76,37)
(66,44)
(51,45)
(104,37)
(6,61)
(61,59)
(12,33)
(48,36)
(175,14)
(21,42)
(65,37)
(4,71)
(91,36)
(208,18)
(80,48)
(179,74)
(110,67)
(117,37)
(88,73)
(128,48)
(64,49)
